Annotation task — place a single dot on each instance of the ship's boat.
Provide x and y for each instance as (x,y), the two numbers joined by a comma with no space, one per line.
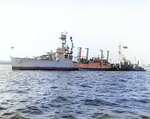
(59,60)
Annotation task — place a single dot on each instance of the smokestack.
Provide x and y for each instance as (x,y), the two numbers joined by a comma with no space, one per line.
(101,57)
(79,55)
(138,63)
(87,53)
(101,54)
(107,55)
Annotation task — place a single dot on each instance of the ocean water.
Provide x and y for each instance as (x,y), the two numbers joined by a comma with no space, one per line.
(37,94)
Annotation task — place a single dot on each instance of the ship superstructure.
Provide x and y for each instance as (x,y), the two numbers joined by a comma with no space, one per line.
(59,60)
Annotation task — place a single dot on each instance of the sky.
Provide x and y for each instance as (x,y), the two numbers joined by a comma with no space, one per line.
(33,27)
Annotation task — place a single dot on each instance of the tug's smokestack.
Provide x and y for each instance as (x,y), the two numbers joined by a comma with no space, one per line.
(87,53)
(107,55)
(138,63)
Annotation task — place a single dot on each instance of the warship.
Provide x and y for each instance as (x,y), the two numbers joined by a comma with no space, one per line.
(59,60)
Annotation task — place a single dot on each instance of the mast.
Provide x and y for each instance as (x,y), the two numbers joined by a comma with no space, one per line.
(101,57)
(64,45)
(119,56)
(63,38)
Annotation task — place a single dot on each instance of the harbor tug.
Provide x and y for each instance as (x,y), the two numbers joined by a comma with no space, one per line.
(124,64)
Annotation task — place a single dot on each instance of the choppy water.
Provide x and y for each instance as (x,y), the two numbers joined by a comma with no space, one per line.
(73,94)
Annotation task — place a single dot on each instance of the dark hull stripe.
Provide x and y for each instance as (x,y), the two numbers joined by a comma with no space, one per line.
(44,68)
(58,68)
(68,69)
(95,69)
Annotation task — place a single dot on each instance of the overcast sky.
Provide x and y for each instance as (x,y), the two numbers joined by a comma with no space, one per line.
(33,27)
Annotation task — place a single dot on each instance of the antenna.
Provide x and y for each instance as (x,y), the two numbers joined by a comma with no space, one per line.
(72,45)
